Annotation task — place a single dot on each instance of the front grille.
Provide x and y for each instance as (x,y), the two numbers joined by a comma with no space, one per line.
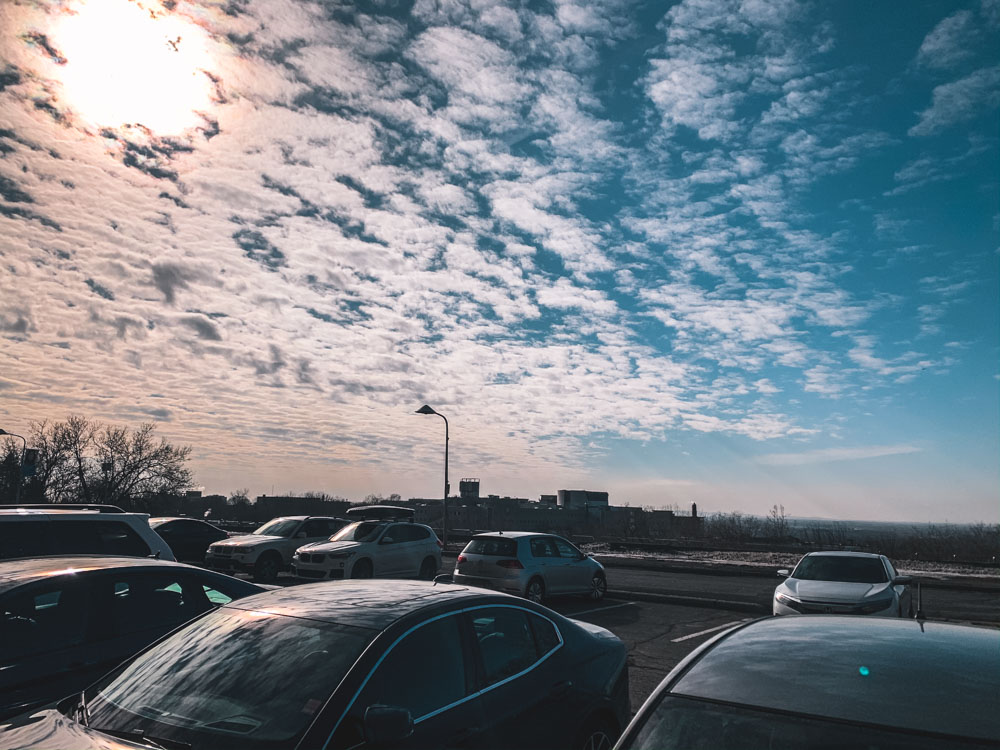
(222,551)
(311,558)
(821,608)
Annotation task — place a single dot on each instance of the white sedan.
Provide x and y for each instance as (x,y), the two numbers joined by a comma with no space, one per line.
(845,583)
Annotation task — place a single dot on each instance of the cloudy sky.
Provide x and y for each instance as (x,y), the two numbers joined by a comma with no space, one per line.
(735,253)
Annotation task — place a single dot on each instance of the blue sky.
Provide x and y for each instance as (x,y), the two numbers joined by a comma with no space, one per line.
(732,253)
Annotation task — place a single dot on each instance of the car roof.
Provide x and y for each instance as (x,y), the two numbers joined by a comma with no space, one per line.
(77,513)
(839,553)
(910,674)
(17,572)
(511,534)
(374,604)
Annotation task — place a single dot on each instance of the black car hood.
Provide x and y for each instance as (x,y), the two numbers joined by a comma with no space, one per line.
(48,729)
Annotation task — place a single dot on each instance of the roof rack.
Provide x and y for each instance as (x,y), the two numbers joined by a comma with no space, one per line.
(99,507)
(380,513)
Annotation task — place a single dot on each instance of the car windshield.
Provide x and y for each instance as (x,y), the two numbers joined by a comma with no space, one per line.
(838,568)
(362,531)
(686,724)
(278,527)
(233,679)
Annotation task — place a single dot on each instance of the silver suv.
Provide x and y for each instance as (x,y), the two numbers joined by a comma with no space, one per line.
(529,564)
(269,549)
(65,529)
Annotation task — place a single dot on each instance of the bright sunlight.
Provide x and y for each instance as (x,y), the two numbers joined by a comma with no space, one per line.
(130,64)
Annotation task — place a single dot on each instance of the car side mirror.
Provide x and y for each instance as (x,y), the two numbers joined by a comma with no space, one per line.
(387,540)
(783,573)
(387,725)
(301,535)
(902,581)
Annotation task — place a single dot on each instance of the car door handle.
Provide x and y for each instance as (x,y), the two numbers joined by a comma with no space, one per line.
(560,688)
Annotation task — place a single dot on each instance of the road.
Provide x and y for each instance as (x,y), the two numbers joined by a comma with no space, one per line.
(659,634)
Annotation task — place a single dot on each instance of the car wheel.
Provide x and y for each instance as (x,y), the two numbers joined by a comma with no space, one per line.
(428,569)
(535,591)
(598,733)
(598,587)
(267,567)
(362,569)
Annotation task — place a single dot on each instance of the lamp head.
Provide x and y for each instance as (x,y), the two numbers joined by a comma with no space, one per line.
(425,409)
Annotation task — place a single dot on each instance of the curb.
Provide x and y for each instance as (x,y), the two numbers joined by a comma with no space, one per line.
(691,601)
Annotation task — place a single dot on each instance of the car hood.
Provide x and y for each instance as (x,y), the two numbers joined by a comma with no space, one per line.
(50,730)
(248,540)
(833,591)
(327,547)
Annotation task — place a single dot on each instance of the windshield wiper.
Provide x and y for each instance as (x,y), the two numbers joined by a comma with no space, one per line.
(138,734)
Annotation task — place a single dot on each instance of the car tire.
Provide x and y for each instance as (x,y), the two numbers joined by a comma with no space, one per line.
(267,567)
(362,569)
(598,733)
(428,569)
(598,587)
(535,590)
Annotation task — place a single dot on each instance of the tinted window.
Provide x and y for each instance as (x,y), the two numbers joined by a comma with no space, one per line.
(543,547)
(840,568)
(22,538)
(408,532)
(566,550)
(506,642)
(140,601)
(215,596)
(423,673)
(363,531)
(694,725)
(279,527)
(546,637)
(43,619)
(492,545)
(316,527)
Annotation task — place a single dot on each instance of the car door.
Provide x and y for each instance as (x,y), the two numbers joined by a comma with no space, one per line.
(390,554)
(427,671)
(523,689)
(545,560)
(46,645)
(570,572)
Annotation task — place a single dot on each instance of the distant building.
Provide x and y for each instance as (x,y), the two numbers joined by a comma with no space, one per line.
(548,500)
(468,490)
(581,499)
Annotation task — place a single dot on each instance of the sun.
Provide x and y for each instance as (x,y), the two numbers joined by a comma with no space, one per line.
(130,63)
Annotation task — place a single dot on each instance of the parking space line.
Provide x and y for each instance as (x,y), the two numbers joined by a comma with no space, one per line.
(599,609)
(710,630)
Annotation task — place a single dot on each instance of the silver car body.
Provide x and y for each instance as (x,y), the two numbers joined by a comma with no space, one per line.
(529,564)
(846,583)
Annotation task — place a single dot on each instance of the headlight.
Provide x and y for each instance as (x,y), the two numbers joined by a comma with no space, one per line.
(243,552)
(340,555)
(876,605)
(788,601)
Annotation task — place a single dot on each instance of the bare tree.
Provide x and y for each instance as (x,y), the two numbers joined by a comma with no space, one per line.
(776,523)
(85,461)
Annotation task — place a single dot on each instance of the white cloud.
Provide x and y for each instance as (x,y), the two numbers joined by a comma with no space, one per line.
(824,455)
(960,101)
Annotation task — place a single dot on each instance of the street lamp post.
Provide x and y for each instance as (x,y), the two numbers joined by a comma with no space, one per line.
(24,449)
(425,409)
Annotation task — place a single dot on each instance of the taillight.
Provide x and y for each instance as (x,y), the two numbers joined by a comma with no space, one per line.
(440,543)
(462,559)
(511,564)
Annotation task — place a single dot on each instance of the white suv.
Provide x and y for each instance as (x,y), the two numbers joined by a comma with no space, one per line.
(65,529)
(269,549)
(383,549)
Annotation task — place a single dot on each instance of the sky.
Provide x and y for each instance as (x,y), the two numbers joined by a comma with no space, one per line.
(737,253)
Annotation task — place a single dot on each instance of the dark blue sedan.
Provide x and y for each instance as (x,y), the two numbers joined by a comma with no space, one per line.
(401,664)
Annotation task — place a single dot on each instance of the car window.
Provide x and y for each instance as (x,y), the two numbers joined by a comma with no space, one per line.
(333,526)
(101,537)
(215,596)
(566,550)
(506,642)
(141,601)
(408,532)
(891,568)
(543,547)
(22,538)
(423,672)
(840,568)
(43,619)
(316,527)
(361,531)
(279,527)
(493,546)
(546,635)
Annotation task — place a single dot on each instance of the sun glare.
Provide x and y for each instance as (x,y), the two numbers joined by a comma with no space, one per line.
(132,64)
